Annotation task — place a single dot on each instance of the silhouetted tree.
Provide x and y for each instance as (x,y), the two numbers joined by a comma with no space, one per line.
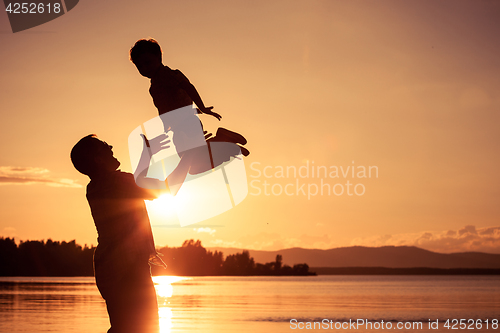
(190,259)
(39,258)
(53,258)
(239,264)
(301,269)
(8,257)
(278,262)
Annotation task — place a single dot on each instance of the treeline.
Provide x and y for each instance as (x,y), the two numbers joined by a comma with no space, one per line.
(45,258)
(193,259)
(49,258)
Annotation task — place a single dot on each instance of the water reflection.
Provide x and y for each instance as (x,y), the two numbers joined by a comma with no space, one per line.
(252,304)
(165,319)
(51,305)
(164,291)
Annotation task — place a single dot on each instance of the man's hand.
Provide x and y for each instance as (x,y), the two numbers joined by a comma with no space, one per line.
(156,260)
(157,144)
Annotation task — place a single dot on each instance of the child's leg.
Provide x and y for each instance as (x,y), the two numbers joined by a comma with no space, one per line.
(225,135)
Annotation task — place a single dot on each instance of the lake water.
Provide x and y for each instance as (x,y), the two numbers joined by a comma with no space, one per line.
(264,304)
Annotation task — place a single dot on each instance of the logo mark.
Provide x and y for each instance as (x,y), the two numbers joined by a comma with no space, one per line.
(26,15)
(209,177)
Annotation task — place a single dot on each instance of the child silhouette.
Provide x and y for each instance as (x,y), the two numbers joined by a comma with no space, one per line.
(171,90)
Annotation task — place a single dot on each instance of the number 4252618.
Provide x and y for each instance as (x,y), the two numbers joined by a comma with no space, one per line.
(33,8)
(470,324)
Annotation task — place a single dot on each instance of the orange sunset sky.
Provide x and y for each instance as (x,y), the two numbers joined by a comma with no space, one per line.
(409,87)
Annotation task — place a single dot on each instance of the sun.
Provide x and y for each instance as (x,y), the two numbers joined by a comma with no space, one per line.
(164,203)
(162,207)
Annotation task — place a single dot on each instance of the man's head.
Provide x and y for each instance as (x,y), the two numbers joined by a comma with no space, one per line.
(146,56)
(93,157)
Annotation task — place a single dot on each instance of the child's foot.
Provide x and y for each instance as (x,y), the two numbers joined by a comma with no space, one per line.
(230,136)
(244,151)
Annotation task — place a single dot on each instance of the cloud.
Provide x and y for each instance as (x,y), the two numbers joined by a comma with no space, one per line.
(10,175)
(223,243)
(466,239)
(207,230)
(469,238)
(8,232)
(22,170)
(274,242)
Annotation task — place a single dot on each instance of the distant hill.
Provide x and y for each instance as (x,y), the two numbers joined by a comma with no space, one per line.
(386,256)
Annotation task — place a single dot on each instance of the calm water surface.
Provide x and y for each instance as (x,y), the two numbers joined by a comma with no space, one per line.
(262,304)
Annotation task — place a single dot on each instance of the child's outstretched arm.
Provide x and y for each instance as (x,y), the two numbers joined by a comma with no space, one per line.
(190,89)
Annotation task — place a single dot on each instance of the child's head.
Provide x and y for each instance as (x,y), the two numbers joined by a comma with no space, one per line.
(92,156)
(146,56)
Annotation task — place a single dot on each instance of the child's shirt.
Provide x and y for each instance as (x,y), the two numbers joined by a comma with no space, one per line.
(166,90)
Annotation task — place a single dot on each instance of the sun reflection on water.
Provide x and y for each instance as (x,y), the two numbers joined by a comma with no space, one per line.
(165,319)
(165,290)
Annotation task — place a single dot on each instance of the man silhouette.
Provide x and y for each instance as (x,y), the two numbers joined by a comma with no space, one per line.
(125,240)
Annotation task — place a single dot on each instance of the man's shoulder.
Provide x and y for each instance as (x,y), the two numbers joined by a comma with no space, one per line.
(120,173)
(116,184)
(110,179)
(124,177)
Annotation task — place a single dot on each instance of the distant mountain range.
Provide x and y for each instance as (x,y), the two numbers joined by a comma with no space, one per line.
(386,256)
